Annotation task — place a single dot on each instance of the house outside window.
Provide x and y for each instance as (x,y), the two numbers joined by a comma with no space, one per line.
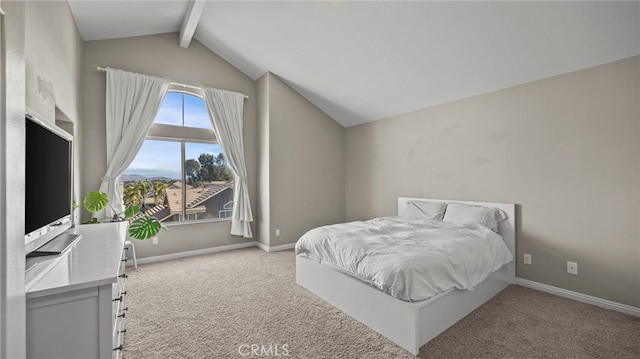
(180,173)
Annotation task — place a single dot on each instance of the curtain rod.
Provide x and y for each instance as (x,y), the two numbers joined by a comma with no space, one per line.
(102,69)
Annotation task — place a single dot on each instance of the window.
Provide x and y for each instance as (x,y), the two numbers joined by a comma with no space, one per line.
(227,210)
(180,173)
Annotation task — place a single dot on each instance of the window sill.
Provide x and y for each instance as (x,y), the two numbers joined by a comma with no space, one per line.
(183,223)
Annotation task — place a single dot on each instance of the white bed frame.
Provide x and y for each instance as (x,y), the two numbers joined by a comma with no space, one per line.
(408,324)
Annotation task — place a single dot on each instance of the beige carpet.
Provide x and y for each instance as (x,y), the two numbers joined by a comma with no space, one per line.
(219,305)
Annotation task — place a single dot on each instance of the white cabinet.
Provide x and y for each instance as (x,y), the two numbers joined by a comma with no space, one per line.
(76,301)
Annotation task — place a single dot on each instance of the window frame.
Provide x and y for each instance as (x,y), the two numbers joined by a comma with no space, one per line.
(183,135)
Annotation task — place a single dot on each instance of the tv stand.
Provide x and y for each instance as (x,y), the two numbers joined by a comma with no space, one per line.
(75,305)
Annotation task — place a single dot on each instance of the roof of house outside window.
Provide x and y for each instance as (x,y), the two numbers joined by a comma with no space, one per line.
(195,197)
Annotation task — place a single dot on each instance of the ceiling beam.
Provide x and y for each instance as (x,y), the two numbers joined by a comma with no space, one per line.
(190,22)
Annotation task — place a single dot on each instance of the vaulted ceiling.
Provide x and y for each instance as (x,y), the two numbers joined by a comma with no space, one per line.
(363,61)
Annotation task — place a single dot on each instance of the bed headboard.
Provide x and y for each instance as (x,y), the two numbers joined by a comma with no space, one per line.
(506,228)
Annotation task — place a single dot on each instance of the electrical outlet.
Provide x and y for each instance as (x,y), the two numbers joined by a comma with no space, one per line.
(277,232)
(572,268)
(527,259)
(155,241)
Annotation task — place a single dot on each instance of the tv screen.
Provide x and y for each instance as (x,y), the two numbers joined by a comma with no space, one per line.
(48,180)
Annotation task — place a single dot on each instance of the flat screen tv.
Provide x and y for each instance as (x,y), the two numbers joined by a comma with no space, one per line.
(48,182)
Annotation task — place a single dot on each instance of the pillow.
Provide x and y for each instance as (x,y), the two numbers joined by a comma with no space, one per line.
(425,209)
(464,213)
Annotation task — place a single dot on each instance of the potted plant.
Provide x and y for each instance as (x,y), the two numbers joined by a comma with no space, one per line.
(143,227)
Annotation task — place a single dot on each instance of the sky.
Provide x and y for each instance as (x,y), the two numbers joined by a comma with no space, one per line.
(195,111)
(158,158)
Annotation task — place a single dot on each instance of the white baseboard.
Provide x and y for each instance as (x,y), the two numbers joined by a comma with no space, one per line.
(197,252)
(584,298)
(282,247)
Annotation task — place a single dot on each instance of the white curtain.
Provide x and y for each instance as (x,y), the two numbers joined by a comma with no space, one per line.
(225,109)
(132,102)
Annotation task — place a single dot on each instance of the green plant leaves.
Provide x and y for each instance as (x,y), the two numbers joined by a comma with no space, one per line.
(131,211)
(144,228)
(95,201)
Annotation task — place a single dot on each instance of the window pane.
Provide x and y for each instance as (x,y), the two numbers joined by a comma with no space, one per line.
(195,112)
(154,181)
(170,112)
(209,187)
(151,176)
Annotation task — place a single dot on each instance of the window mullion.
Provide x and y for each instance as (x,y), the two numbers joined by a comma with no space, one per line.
(183,157)
(183,110)
(184,181)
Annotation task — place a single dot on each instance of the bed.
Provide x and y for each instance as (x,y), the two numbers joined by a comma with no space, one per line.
(410,324)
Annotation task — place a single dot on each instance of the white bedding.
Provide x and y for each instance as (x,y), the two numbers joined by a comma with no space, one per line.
(410,259)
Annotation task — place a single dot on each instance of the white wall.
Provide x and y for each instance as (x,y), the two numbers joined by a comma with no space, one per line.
(263,217)
(302,184)
(12,260)
(565,149)
(53,56)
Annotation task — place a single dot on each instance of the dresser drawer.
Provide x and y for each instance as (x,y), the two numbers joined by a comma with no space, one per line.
(118,338)
(119,309)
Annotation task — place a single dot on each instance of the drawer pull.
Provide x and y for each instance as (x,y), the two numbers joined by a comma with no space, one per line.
(119,299)
(123,331)
(126,248)
(125,309)
(122,315)
(123,275)
(124,293)
(118,348)
(125,260)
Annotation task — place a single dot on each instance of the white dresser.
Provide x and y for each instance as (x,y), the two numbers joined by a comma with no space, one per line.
(76,301)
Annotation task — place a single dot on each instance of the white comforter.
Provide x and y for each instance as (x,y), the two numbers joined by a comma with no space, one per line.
(410,259)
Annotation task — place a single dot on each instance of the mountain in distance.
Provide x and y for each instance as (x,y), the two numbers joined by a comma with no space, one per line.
(132,178)
(136,178)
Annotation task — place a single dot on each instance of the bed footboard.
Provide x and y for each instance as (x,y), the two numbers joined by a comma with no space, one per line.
(408,324)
